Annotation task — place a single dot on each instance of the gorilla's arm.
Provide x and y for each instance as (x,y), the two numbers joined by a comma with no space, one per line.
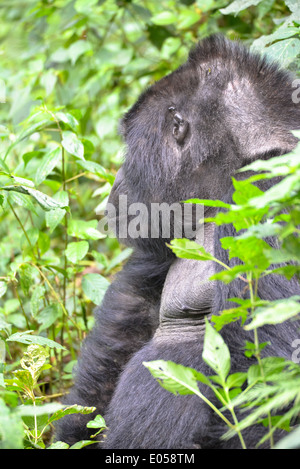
(125,321)
(132,416)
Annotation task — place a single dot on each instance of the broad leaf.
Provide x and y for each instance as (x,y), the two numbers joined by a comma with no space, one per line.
(215,352)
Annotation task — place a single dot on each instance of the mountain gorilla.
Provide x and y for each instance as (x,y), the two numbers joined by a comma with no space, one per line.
(186,137)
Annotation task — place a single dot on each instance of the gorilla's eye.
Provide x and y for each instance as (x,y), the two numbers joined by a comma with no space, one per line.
(180,126)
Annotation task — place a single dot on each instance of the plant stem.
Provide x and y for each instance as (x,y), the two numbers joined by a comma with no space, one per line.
(257,351)
(20,223)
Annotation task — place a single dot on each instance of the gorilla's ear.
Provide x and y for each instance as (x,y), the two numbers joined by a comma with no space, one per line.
(180,126)
(259,125)
(118,188)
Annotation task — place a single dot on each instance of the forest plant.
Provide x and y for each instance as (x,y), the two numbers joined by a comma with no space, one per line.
(274,382)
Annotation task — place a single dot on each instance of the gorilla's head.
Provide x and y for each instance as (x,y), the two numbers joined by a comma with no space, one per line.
(188,133)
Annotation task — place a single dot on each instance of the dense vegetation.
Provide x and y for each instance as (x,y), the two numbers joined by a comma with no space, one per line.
(68,71)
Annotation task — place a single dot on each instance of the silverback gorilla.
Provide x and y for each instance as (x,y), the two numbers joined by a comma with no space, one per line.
(186,137)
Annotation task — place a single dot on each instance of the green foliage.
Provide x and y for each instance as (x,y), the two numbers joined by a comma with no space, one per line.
(273,383)
(68,71)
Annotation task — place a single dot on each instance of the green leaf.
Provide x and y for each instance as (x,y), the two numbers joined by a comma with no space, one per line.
(67,118)
(3,288)
(275,312)
(244,191)
(208,203)
(26,338)
(46,202)
(276,193)
(95,168)
(291,441)
(186,249)
(48,81)
(166,17)
(73,409)
(283,32)
(176,378)
(98,422)
(72,144)
(36,299)
(284,51)
(77,49)
(76,251)
(11,428)
(236,380)
(22,200)
(215,352)
(48,163)
(26,273)
(238,5)
(187,18)
(29,130)
(24,380)
(251,251)
(84,229)
(55,216)
(49,316)
(84,6)
(229,315)
(228,275)
(32,236)
(94,287)
(82,444)
(58,445)
(33,360)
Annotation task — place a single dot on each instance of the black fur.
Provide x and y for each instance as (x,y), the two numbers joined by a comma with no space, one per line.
(237,108)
